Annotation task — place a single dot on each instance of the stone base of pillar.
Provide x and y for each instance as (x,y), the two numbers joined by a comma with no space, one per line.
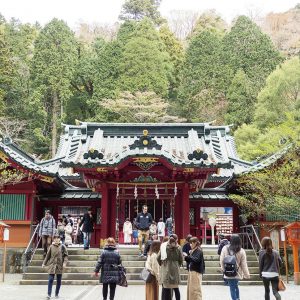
(297,278)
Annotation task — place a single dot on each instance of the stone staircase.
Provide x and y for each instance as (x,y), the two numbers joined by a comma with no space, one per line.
(81,265)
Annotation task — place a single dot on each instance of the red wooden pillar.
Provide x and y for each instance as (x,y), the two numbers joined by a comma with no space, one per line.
(104,214)
(185,211)
(113,213)
(235,216)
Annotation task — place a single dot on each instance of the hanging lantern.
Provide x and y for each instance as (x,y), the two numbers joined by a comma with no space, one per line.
(135,192)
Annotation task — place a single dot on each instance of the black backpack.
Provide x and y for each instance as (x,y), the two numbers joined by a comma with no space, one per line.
(230,265)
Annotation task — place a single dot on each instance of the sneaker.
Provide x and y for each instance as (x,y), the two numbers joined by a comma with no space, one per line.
(48,297)
(57,297)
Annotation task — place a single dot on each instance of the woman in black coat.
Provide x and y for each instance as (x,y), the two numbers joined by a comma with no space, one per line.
(108,263)
(87,228)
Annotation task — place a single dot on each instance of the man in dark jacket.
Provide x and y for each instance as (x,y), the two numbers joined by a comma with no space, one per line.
(223,242)
(88,228)
(108,263)
(143,222)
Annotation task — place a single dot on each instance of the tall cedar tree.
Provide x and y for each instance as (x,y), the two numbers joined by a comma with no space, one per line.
(176,53)
(53,65)
(245,47)
(203,72)
(139,9)
(144,65)
(240,100)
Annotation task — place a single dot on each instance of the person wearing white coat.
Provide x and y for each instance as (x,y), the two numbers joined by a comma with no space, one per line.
(161,229)
(127,230)
(68,233)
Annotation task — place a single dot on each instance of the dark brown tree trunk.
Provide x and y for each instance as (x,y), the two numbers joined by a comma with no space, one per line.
(54,123)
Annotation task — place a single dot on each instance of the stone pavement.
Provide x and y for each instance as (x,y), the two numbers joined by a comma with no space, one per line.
(10,290)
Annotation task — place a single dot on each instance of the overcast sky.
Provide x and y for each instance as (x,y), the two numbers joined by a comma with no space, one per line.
(107,11)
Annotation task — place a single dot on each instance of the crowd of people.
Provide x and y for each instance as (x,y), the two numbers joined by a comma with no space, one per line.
(164,258)
(70,231)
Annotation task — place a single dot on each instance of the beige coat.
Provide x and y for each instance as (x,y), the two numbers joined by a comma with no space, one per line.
(56,259)
(152,265)
(243,271)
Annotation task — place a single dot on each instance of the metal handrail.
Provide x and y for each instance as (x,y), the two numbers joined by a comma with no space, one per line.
(248,230)
(31,247)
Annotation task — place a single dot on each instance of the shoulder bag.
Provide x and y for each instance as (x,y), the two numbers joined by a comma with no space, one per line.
(281,284)
(146,275)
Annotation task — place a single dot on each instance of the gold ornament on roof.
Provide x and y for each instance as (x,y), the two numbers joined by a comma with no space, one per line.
(145,132)
(145,142)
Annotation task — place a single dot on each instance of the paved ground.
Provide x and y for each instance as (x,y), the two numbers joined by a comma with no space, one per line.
(10,290)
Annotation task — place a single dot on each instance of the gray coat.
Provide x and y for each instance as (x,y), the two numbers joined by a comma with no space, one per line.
(47,227)
(170,267)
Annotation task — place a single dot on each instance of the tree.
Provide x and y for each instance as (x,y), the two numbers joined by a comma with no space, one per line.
(255,144)
(54,60)
(9,175)
(203,72)
(138,108)
(281,94)
(240,100)
(274,190)
(209,21)
(245,47)
(176,53)
(139,9)
(144,65)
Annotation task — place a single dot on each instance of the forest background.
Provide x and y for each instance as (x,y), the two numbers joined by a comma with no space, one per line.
(190,68)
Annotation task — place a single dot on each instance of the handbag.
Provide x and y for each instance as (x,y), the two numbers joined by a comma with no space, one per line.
(281,284)
(146,275)
(122,276)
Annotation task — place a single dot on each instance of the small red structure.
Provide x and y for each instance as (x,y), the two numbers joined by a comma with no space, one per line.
(293,236)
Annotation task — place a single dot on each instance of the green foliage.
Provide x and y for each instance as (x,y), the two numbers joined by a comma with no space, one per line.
(176,53)
(252,143)
(139,9)
(203,72)
(9,175)
(138,108)
(280,94)
(274,190)
(245,47)
(210,21)
(144,66)
(53,67)
(240,100)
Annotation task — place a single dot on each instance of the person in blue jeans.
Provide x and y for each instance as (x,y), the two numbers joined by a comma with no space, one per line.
(234,252)
(55,261)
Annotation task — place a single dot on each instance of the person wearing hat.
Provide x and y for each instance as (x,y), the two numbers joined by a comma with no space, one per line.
(55,261)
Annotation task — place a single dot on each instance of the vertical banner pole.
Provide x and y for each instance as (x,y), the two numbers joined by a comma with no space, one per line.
(4,262)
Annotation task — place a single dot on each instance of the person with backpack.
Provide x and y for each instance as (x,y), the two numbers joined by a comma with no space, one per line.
(234,266)
(196,267)
(108,263)
(223,242)
(186,248)
(269,266)
(55,261)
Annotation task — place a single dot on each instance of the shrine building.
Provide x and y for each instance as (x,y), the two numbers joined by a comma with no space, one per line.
(178,170)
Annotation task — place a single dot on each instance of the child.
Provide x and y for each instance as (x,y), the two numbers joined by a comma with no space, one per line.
(127,230)
(153,229)
(161,229)
(135,233)
(55,261)
(68,233)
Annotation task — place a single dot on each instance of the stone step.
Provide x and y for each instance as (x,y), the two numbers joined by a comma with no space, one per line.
(94,257)
(126,251)
(129,263)
(129,270)
(131,282)
(130,276)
